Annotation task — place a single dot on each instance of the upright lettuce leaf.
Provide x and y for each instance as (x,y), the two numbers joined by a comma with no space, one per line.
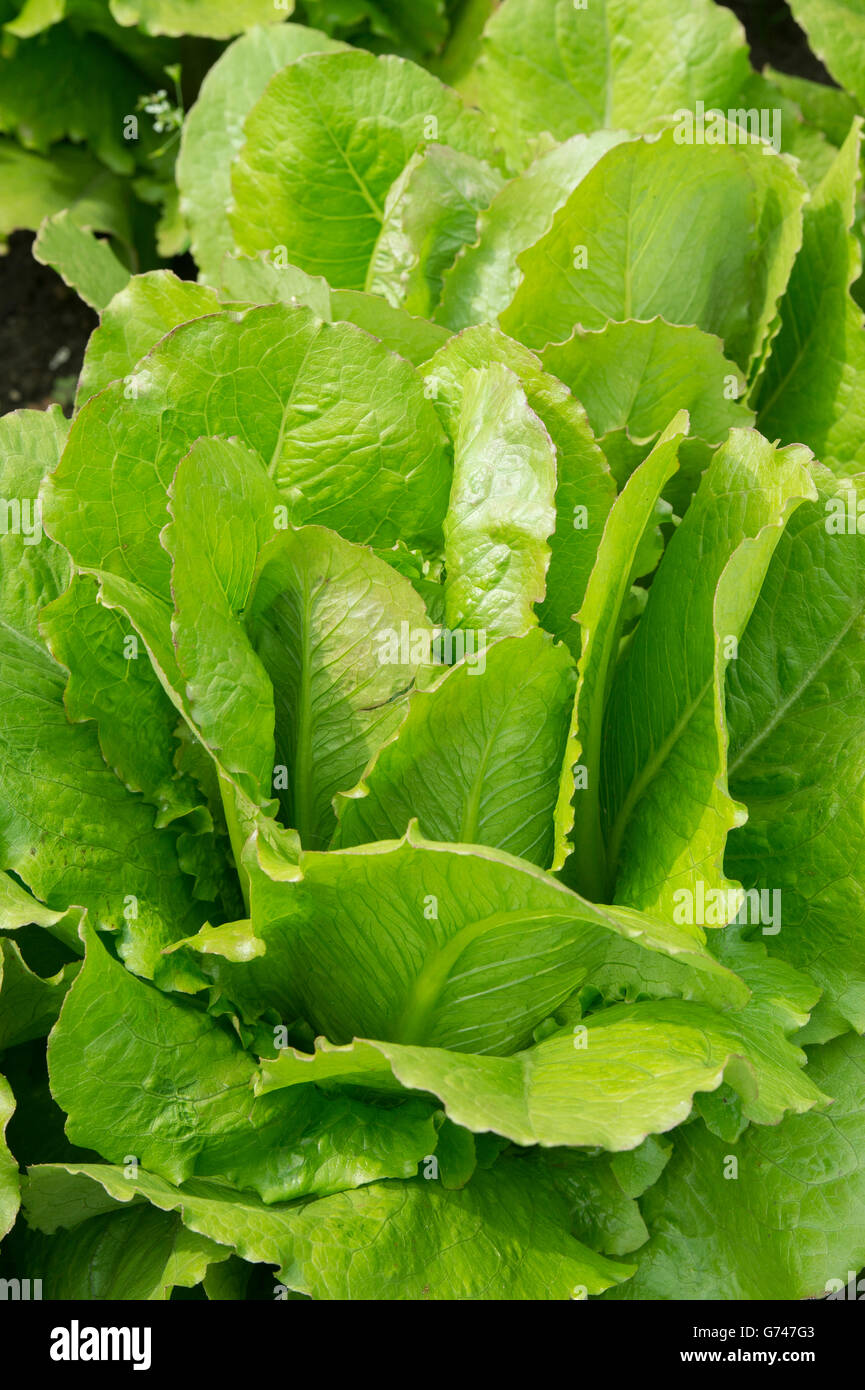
(812,386)
(460,763)
(665,805)
(324,145)
(601,618)
(213,130)
(584,486)
(501,509)
(664,255)
(553,66)
(342,637)
(797,756)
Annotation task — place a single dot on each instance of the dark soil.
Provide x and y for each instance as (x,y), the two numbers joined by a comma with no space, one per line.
(44,326)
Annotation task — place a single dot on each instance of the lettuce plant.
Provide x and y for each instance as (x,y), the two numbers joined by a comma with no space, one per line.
(432,718)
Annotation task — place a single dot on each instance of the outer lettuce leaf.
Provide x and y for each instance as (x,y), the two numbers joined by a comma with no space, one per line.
(797,749)
(504,1236)
(636,375)
(9,1179)
(432,944)
(37,186)
(31,572)
(548,65)
(584,487)
(813,383)
(65,86)
(141,313)
(325,143)
(87,264)
(213,130)
(502,508)
(664,256)
(29,1003)
(181,1100)
(786,1223)
(289,387)
(632,1071)
(218,19)
(120,690)
(665,806)
(129,1254)
(71,831)
(460,762)
(836,33)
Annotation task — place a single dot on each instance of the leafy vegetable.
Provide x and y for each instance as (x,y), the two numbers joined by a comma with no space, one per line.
(431,660)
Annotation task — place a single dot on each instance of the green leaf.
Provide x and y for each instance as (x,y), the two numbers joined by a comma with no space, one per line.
(484,277)
(213,130)
(601,1192)
(113,683)
(223,508)
(635,376)
(141,312)
(430,213)
(342,638)
(665,806)
(413,338)
(502,508)
(830,110)
(37,186)
(663,257)
(65,86)
(622,1074)
(797,747)
(460,762)
(504,1236)
(434,944)
(181,1100)
(70,829)
(812,386)
(30,1003)
(34,16)
(836,33)
(415,30)
(551,65)
(784,1222)
(262,280)
(32,571)
(325,143)
(129,1254)
(86,264)
(601,620)
(9,1180)
(218,19)
(289,387)
(585,490)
